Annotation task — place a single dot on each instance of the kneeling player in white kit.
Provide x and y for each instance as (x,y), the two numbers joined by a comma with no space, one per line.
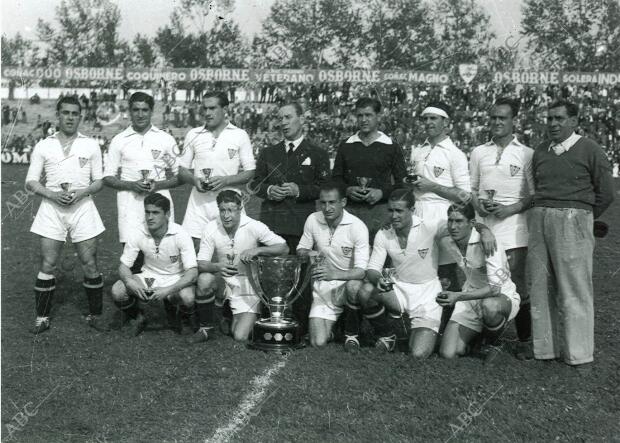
(72,166)
(488,300)
(227,246)
(169,272)
(411,245)
(342,239)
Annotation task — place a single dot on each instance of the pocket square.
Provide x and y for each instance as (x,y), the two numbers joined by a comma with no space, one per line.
(307,162)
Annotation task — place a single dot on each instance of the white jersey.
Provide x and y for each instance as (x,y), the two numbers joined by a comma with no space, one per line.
(174,255)
(345,248)
(506,176)
(481,270)
(79,165)
(224,156)
(444,164)
(250,233)
(417,263)
(508,173)
(132,152)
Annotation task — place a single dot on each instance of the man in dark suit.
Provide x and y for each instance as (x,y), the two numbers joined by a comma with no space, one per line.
(287,177)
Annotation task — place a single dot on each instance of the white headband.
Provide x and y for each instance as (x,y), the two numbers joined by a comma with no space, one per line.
(436,111)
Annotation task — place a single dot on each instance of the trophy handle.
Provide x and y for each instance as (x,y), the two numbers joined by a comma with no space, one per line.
(304,283)
(255,282)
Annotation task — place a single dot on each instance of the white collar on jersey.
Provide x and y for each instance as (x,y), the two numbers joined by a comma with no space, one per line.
(381,139)
(131,131)
(347,218)
(203,128)
(446,143)
(513,141)
(79,135)
(415,222)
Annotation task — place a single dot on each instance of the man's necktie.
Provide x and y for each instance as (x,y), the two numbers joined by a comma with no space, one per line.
(291,148)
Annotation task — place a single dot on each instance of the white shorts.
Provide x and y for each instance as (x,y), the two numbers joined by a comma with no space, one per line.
(81,221)
(328,299)
(201,209)
(469,313)
(131,212)
(418,300)
(511,232)
(160,280)
(435,213)
(241,295)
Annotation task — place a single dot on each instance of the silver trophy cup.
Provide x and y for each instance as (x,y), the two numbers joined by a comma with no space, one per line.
(206,175)
(276,280)
(364,182)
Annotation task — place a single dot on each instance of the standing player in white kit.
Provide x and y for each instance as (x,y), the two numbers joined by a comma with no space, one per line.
(72,166)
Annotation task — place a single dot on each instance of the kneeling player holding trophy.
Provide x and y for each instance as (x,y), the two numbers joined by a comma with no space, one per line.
(341,240)
(169,271)
(489,299)
(227,246)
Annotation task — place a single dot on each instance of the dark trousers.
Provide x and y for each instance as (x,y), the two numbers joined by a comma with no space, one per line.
(301,306)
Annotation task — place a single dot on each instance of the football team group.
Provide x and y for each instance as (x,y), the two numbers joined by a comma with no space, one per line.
(426,244)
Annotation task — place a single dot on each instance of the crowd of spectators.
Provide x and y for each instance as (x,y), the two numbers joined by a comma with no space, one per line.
(329,113)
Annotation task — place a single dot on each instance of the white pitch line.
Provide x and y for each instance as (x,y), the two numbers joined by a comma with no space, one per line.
(250,405)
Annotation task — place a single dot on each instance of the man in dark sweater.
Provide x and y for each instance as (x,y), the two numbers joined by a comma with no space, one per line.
(288,177)
(370,165)
(573,186)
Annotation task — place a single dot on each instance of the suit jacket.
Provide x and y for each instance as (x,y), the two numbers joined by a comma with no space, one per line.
(308,167)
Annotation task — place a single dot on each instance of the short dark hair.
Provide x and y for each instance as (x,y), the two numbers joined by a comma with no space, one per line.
(222,99)
(467,209)
(403,195)
(441,105)
(332,185)
(514,104)
(299,110)
(70,100)
(141,97)
(229,196)
(368,102)
(155,199)
(572,110)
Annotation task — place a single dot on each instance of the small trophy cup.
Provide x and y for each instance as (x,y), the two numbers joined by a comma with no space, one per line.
(364,182)
(230,257)
(206,174)
(411,176)
(149,291)
(388,275)
(489,201)
(66,187)
(145,176)
(276,280)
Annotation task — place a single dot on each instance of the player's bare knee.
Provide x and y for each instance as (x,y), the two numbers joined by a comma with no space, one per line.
(206,284)
(118,291)
(491,307)
(48,266)
(89,268)
(421,353)
(318,342)
(186,296)
(240,334)
(448,353)
(352,289)
(365,292)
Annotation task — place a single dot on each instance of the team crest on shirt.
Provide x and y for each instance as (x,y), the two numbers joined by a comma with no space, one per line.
(155,153)
(83,161)
(514,170)
(174,258)
(438,171)
(422,253)
(231,153)
(347,251)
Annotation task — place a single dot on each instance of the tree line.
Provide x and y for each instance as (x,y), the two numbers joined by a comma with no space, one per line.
(575,35)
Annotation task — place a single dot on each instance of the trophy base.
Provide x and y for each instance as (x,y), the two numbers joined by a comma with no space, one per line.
(283,336)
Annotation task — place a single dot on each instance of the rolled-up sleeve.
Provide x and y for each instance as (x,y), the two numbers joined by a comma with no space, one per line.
(379,253)
(460,170)
(361,246)
(187,153)
(307,239)
(207,246)
(246,154)
(114,158)
(186,248)
(130,251)
(37,163)
(96,173)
